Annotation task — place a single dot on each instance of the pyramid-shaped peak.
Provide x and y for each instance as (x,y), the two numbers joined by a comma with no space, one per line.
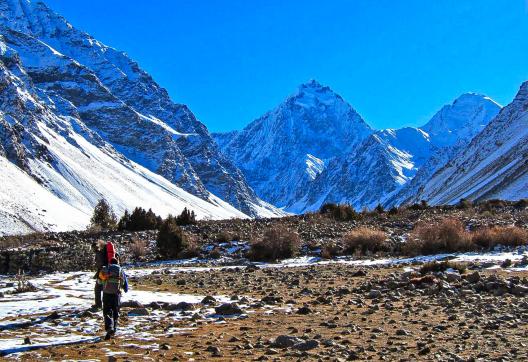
(473,98)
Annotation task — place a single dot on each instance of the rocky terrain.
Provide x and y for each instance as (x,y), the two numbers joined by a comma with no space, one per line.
(230,239)
(464,306)
(333,312)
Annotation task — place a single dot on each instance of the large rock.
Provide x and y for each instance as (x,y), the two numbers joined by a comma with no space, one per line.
(228,309)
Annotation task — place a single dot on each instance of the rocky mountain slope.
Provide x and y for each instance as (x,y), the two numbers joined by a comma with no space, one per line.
(493,165)
(284,150)
(54,168)
(82,78)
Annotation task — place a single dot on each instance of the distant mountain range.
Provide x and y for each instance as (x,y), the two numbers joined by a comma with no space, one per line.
(80,121)
(314,148)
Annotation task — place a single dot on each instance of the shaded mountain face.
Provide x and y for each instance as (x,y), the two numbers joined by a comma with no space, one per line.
(284,150)
(493,165)
(82,78)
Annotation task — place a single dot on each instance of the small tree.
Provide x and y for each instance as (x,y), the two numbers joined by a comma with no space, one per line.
(124,222)
(140,220)
(103,216)
(379,209)
(187,217)
(171,238)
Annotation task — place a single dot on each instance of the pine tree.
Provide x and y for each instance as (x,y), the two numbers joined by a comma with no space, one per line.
(124,222)
(187,217)
(103,216)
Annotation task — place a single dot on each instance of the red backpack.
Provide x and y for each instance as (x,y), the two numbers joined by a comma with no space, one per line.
(110,251)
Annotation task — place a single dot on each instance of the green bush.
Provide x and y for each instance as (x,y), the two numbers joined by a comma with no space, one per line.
(339,212)
(464,204)
(187,217)
(140,220)
(171,239)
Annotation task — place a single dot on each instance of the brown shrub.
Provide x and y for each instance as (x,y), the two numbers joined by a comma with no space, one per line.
(365,240)
(276,243)
(223,237)
(507,236)
(192,250)
(138,248)
(16,241)
(330,251)
(445,236)
(435,266)
(339,212)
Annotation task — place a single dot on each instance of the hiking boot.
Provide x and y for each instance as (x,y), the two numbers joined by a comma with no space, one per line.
(96,307)
(109,335)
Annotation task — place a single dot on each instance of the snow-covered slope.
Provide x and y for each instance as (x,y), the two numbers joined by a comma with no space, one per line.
(113,97)
(54,169)
(365,176)
(450,130)
(493,165)
(390,160)
(284,150)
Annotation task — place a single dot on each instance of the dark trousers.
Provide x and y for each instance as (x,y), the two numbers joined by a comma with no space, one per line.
(98,291)
(111,304)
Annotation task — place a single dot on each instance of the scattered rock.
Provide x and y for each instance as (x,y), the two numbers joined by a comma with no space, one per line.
(228,309)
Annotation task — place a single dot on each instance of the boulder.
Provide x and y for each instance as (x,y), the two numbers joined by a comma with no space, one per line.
(228,309)
(139,312)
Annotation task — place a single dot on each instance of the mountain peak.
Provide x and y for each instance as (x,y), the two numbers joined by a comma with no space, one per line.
(462,119)
(473,98)
(311,84)
(314,86)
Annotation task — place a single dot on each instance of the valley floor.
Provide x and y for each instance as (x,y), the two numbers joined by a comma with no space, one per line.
(301,309)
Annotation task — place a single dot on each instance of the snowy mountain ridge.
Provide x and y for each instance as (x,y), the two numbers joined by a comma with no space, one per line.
(63,89)
(493,165)
(361,167)
(284,150)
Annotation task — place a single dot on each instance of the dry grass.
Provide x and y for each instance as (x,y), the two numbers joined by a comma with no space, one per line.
(507,236)
(365,240)
(445,236)
(330,251)
(435,266)
(276,243)
(138,248)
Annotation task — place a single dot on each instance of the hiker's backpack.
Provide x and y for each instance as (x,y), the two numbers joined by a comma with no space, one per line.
(112,279)
(110,252)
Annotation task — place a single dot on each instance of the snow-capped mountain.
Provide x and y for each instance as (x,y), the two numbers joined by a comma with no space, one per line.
(314,148)
(450,130)
(53,168)
(283,151)
(493,165)
(89,90)
(390,159)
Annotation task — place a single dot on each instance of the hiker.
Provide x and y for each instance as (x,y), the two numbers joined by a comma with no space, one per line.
(114,280)
(101,260)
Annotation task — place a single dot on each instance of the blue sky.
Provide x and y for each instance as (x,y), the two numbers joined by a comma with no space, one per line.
(395,62)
